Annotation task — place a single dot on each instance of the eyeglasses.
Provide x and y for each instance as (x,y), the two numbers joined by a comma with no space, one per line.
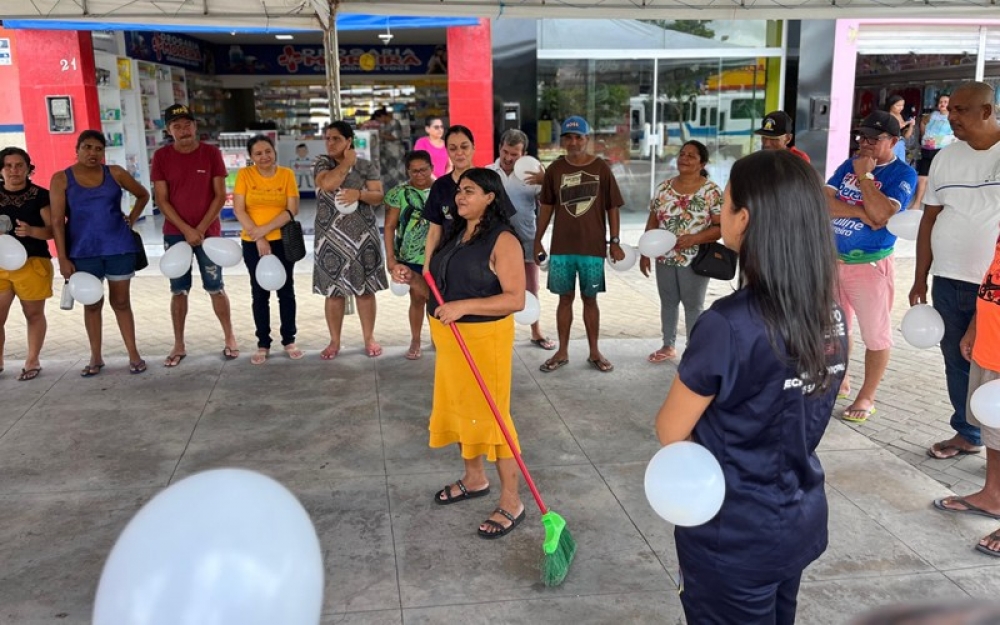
(421,171)
(870,140)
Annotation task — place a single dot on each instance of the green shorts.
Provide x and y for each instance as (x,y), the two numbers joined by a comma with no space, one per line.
(564,268)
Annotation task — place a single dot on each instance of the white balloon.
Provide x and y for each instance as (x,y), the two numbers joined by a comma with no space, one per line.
(656,243)
(270,273)
(342,207)
(531,312)
(922,326)
(684,484)
(631,255)
(223,251)
(398,288)
(905,224)
(12,253)
(223,546)
(526,165)
(86,288)
(985,404)
(176,261)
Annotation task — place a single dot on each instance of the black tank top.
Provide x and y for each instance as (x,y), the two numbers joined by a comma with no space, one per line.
(462,271)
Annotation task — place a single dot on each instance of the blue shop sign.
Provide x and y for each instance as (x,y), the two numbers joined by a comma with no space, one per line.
(303,60)
(171,49)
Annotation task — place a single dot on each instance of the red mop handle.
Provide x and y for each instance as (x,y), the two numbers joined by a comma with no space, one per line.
(489,398)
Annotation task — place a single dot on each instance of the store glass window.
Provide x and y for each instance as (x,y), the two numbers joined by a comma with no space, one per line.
(642,112)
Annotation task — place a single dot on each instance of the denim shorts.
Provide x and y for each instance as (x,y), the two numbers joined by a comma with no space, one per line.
(564,268)
(211,274)
(115,268)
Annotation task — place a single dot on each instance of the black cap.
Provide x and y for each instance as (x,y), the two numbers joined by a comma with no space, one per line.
(877,123)
(175,112)
(775,124)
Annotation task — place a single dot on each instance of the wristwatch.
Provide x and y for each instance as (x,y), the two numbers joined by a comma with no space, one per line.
(615,240)
(869,176)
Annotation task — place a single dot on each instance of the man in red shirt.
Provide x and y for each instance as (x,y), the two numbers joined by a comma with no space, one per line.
(776,133)
(189,183)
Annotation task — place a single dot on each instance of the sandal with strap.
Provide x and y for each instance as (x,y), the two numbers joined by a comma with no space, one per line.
(497,530)
(444,497)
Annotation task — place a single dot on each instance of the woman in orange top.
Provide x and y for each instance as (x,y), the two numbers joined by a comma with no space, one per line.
(264,199)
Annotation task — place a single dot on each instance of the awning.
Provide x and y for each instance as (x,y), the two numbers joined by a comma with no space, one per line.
(291,14)
(347,22)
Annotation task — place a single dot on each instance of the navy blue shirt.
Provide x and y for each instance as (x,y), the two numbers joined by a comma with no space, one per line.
(441,200)
(763,429)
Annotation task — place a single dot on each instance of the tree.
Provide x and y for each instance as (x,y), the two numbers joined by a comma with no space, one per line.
(698,28)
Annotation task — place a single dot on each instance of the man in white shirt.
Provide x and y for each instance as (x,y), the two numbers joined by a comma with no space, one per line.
(524,197)
(958,233)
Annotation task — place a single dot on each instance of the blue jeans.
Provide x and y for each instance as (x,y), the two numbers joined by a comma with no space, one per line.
(211,274)
(955,300)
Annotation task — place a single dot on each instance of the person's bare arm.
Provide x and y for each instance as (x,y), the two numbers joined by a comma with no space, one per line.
(57,207)
(215,208)
(433,238)
(389,234)
(130,184)
(614,227)
(877,205)
(839,208)
(925,255)
(680,413)
(330,180)
(43,232)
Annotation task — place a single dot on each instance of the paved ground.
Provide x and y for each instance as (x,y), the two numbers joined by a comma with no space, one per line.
(79,457)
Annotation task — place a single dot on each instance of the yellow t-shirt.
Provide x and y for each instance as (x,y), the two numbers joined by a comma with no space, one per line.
(266,198)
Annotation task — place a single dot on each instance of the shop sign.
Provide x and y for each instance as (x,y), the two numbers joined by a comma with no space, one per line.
(310,60)
(5,58)
(171,49)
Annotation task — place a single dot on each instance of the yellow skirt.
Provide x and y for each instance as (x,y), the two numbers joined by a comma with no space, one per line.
(461,413)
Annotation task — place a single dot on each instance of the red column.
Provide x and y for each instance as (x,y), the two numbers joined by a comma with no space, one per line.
(470,85)
(55,62)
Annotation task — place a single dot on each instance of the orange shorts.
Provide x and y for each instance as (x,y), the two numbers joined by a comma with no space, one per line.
(32,282)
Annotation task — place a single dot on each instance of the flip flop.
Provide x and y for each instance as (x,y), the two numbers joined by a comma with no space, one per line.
(29,374)
(137,367)
(91,370)
(231,353)
(857,418)
(544,343)
(462,496)
(984,549)
(601,364)
(968,508)
(552,364)
(174,359)
(934,451)
(259,356)
(662,355)
(294,352)
(373,350)
(501,530)
(413,354)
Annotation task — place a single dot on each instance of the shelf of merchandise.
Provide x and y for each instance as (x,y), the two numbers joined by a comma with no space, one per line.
(159,86)
(109,101)
(233,146)
(205,97)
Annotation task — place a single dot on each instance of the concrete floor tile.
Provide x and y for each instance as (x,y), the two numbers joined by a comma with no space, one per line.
(978,581)
(438,544)
(839,601)
(53,548)
(374,617)
(639,607)
(840,437)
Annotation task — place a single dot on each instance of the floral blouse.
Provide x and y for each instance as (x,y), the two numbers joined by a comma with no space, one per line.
(685,214)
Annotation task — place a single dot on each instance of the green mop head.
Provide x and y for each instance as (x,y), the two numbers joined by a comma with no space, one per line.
(559,549)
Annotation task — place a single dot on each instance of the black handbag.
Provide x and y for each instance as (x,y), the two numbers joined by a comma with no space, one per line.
(293,240)
(715,260)
(141,262)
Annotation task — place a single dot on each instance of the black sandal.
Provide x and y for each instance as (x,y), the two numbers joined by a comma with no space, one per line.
(466,494)
(501,530)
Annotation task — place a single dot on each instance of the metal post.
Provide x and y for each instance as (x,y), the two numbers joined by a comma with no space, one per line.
(331,49)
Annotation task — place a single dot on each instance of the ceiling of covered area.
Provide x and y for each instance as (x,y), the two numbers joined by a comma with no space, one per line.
(285,14)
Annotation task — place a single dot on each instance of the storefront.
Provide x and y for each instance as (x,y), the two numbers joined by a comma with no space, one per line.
(916,59)
(650,88)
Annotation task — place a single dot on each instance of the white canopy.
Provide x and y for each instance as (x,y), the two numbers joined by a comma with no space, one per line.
(312,13)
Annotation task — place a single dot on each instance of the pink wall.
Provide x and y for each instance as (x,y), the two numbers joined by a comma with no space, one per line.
(470,85)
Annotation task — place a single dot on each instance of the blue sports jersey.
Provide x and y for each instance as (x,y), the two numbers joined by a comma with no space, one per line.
(855,239)
(763,429)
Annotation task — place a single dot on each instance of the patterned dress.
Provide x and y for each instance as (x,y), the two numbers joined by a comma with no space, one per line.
(348,253)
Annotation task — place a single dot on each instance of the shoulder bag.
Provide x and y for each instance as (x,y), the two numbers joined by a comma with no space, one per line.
(141,262)
(715,260)
(293,240)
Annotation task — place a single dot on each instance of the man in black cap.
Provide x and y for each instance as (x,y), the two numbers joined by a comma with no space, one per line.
(189,182)
(862,195)
(776,133)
